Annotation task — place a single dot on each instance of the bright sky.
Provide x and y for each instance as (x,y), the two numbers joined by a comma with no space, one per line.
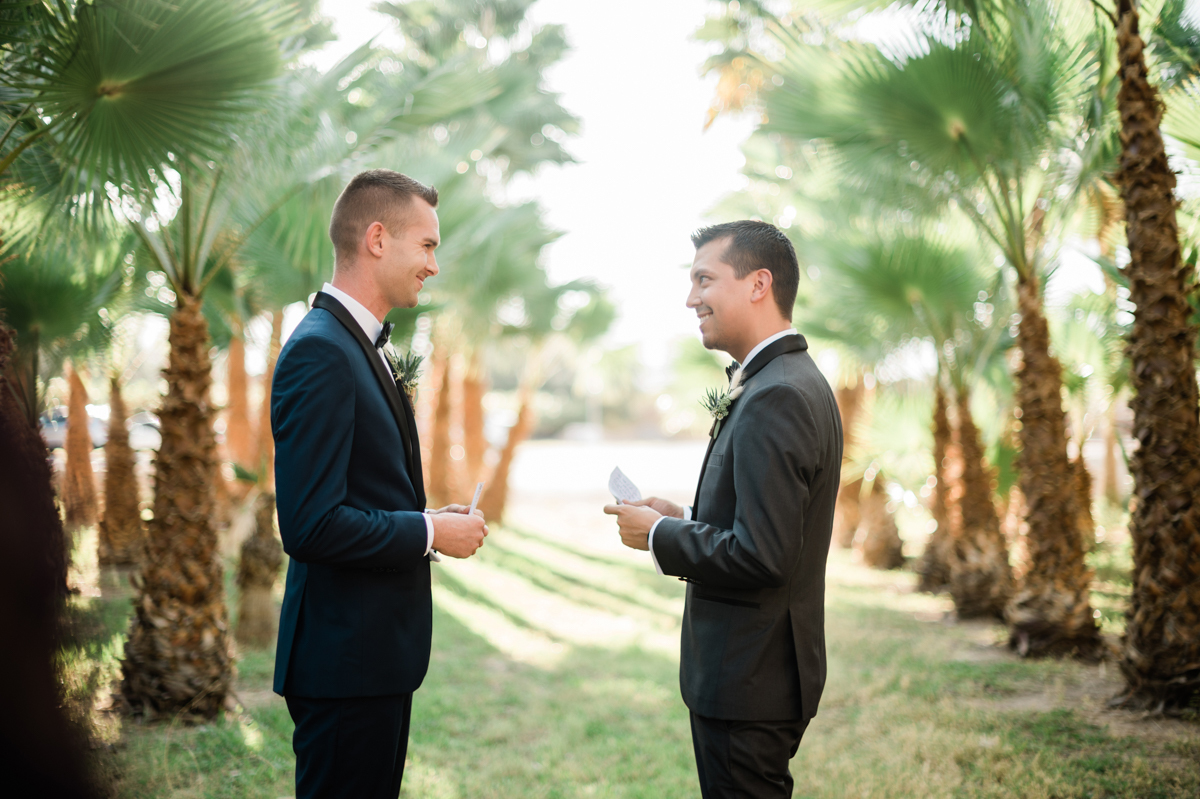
(647,174)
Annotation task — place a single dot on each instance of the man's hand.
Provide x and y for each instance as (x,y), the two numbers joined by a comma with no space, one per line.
(455,533)
(634,522)
(663,506)
(456,509)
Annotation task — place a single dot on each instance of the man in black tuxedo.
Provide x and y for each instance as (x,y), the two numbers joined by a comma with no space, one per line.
(355,627)
(753,545)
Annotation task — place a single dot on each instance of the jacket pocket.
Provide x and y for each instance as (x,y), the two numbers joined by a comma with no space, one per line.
(725,600)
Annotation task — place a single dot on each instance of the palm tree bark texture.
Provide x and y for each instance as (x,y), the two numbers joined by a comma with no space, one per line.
(1161,657)
(934,568)
(266,439)
(239,438)
(79,485)
(847,515)
(1050,613)
(262,555)
(980,576)
(44,753)
(878,539)
(177,659)
(475,444)
(122,534)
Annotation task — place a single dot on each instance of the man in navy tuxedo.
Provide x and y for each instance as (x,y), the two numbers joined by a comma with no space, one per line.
(355,628)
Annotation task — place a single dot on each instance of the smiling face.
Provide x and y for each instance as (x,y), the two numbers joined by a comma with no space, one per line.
(722,301)
(405,261)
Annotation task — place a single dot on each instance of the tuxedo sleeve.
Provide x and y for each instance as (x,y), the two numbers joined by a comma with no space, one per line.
(312,414)
(777,452)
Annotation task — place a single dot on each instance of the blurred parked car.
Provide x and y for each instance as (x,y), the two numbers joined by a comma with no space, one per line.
(143,428)
(54,425)
(144,432)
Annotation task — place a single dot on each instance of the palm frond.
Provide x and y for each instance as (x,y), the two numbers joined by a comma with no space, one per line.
(128,84)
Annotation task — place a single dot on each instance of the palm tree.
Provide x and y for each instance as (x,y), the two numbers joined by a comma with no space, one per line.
(79,483)
(892,290)
(32,590)
(122,532)
(1162,638)
(977,121)
(934,568)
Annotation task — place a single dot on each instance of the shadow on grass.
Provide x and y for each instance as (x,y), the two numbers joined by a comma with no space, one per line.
(912,708)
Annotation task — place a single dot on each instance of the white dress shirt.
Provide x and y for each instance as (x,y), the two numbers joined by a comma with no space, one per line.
(687,510)
(373,327)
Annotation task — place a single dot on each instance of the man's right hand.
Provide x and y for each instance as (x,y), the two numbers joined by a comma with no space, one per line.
(663,506)
(458,535)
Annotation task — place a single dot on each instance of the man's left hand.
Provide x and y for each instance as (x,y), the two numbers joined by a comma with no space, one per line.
(458,509)
(634,524)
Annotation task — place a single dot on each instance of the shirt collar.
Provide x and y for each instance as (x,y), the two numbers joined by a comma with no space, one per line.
(762,345)
(366,320)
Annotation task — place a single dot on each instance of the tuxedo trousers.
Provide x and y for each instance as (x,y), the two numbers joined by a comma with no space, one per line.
(350,748)
(745,759)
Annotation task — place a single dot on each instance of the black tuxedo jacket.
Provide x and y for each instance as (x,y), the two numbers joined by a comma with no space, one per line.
(753,644)
(357,610)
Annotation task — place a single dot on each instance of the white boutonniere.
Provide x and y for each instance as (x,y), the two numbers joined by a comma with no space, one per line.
(717,402)
(406,370)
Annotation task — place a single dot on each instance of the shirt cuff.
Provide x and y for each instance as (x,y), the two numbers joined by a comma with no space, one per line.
(429,538)
(687,513)
(650,543)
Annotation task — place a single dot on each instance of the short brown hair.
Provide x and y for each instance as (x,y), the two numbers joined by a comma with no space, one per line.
(755,245)
(377,195)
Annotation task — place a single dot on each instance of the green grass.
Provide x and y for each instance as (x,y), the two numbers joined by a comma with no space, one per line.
(554,674)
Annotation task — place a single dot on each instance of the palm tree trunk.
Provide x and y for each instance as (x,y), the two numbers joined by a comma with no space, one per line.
(122,535)
(878,539)
(266,439)
(79,487)
(495,496)
(980,576)
(262,555)
(1112,489)
(474,441)
(177,658)
(1050,613)
(1083,494)
(239,440)
(441,470)
(847,516)
(1161,659)
(935,562)
(20,372)
(44,747)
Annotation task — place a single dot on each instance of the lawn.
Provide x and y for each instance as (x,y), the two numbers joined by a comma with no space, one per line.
(554,674)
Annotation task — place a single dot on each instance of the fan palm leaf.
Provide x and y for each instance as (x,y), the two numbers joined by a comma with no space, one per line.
(122,84)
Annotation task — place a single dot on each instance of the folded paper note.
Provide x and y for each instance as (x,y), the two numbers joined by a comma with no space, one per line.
(622,487)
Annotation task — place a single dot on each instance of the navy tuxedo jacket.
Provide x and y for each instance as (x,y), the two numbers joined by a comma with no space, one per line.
(357,611)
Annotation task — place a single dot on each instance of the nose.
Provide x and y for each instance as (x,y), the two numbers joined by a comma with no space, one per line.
(693,300)
(432,267)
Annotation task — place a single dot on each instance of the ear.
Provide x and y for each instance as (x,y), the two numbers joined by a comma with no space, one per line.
(373,238)
(763,280)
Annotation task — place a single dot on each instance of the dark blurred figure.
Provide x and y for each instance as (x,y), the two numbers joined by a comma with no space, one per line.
(42,754)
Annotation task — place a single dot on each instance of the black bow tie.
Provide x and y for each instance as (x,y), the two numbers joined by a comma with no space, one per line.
(385,335)
(730,369)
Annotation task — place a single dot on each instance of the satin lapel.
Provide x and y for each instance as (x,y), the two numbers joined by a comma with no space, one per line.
(703,467)
(415,461)
(772,351)
(395,400)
